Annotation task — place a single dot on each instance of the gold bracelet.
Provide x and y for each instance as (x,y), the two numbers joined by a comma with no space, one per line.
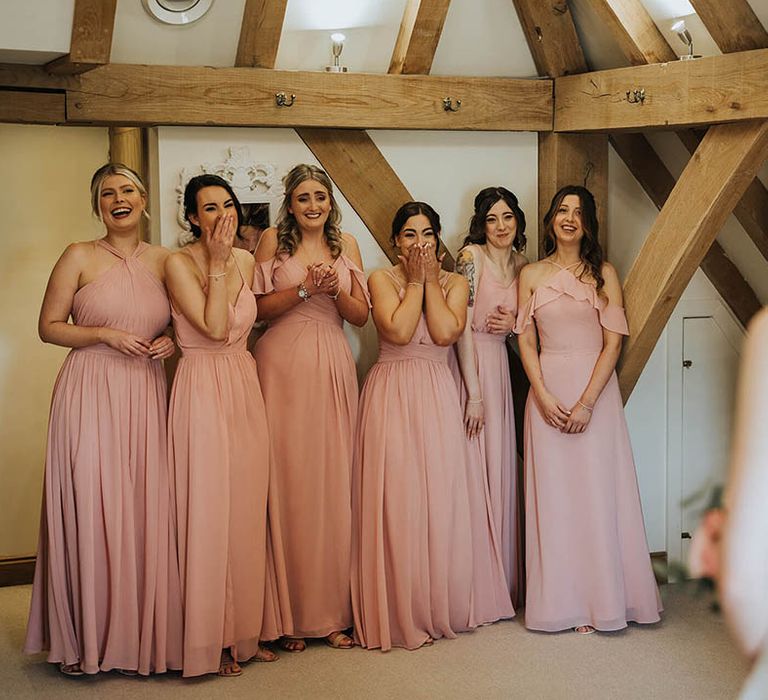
(216,276)
(474,401)
(335,296)
(583,405)
(416,284)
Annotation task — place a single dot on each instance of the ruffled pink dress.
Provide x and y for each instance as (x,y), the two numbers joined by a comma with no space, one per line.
(412,557)
(587,559)
(221,462)
(106,591)
(492,460)
(310,389)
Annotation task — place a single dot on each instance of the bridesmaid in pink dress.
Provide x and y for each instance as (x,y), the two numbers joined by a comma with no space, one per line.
(587,559)
(221,470)
(491,263)
(106,591)
(310,277)
(412,541)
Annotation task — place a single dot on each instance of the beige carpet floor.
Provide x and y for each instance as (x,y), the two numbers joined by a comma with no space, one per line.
(688,656)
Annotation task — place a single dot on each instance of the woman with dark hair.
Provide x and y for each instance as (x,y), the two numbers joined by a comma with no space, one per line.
(412,545)
(491,262)
(309,279)
(106,592)
(221,471)
(587,558)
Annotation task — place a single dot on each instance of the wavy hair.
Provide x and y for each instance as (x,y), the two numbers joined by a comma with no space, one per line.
(107,170)
(590,251)
(484,201)
(288,232)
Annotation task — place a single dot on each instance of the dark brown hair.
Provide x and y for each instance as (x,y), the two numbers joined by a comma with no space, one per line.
(198,183)
(410,209)
(484,201)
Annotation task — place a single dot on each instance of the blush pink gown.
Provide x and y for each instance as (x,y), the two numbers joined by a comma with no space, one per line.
(412,557)
(106,591)
(310,388)
(492,459)
(219,453)
(587,558)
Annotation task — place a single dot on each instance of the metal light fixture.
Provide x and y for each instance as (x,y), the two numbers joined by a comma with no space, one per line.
(177,11)
(337,45)
(684,35)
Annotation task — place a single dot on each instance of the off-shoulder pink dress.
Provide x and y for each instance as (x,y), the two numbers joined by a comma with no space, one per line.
(493,459)
(220,456)
(412,557)
(587,559)
(106,591)
(310,389)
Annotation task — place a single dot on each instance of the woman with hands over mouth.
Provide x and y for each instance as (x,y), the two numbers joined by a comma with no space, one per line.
(587,561)
(106,591)
(221,471)
(412,545)
(309,280)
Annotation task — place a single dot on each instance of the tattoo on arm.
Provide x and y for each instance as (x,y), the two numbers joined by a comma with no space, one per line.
(465,266)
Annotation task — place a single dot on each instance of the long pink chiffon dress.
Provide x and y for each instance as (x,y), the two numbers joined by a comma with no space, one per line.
(106,590)
(412,557)
(310,389)
(492,458)
(587,558)
(220,457)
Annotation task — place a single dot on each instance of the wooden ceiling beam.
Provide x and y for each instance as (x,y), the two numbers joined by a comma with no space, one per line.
(93,25)
(419,34)
(21,107)
(711,90)
(704,196)
(260,33)
(733,24)
(179,95)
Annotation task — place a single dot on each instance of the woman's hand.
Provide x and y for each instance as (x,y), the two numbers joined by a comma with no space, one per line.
(127,343)
(218,242)
(578,420)
(501,321)
(320,278)
(162,348)
(431,262)
(555,414)
(474,417)
(413,264)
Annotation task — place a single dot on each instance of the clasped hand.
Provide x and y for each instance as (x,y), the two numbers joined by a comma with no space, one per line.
(134,345)
(322,278)
(420,263)
(573,420)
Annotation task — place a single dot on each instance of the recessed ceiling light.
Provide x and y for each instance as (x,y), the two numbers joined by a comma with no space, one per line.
(177,11)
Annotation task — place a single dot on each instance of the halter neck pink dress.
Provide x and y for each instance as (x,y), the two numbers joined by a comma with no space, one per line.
(310,388)
(493,458)
(587,558)
(220,457)
(412,544)
(106,591)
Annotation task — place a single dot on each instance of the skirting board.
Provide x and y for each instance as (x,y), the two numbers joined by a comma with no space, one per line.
(16,571)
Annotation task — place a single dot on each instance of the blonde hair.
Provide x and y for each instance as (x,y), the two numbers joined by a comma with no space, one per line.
(107,170)
(288,233)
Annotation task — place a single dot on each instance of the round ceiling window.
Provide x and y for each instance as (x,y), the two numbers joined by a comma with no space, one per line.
(177,11)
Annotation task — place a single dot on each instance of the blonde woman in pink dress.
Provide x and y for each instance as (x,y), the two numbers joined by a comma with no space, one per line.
(412,558)
(219,444)
(587,560)
(491,263)
(106,591)
(309,279)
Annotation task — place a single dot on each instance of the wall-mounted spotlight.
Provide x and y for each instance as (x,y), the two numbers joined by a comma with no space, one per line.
(337,45)
(684,35)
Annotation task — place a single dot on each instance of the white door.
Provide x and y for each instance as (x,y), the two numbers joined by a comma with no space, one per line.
(710,369)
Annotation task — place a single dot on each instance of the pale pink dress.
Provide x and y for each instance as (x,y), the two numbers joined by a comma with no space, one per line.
(310,389)
(412,557)
(587,559)
(106,591)
(220,457)
(493,459)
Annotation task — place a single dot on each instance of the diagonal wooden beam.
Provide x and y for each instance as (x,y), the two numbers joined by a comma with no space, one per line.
(419,34)
(260,33)
(711,184)
(733,24)
(91,44)
(654,177)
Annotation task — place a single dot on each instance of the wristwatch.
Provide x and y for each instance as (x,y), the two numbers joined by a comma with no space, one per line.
(301,290)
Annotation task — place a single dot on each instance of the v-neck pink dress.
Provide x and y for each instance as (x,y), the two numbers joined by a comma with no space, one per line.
(493,458)
(587,559)
(310,389)
(412,559)
(106,591)
(229,557)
